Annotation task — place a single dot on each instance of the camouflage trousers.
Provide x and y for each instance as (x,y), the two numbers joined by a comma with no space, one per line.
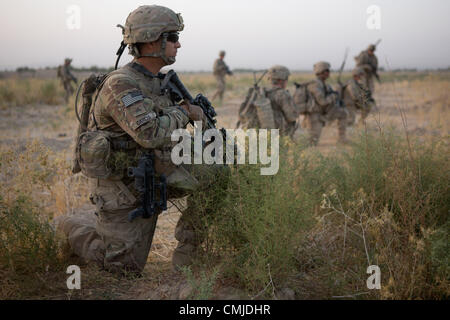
(220,87)
(69,90)
(314,123)
(369,83)
(119,245)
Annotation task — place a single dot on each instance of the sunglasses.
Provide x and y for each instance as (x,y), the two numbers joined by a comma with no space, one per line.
(173,37)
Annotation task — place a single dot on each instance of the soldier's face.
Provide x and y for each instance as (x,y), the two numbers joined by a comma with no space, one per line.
(172,48)
(325,75)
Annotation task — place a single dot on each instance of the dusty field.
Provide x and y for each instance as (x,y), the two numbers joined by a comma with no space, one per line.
(420,106)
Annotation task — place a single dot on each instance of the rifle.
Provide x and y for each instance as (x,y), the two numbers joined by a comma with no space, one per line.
(146,183)
(341,86)
(342,67)
(228,71)
(255,84)
(178,92)
(250,95)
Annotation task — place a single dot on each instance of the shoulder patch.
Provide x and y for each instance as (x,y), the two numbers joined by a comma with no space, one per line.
(147,118)
(132,98)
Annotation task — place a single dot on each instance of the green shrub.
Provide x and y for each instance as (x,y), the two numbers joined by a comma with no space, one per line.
(326,218)
(27,241)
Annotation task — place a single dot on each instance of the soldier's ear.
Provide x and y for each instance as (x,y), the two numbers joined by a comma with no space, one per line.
(151,46)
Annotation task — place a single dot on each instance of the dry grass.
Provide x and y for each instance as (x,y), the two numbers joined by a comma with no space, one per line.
(330,256)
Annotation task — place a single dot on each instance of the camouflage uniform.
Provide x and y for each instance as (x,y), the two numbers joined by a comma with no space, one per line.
(357,97)
(280,105)
(285,111)
(220,70)
(67,77)
(140,118)
(370,65)
(325,108)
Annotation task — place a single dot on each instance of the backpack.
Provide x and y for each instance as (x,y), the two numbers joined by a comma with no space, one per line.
(59,72)
(302,97)
(92,148)
(256,110)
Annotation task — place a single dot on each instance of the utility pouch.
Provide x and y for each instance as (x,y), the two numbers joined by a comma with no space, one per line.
(264,110)
(93,152)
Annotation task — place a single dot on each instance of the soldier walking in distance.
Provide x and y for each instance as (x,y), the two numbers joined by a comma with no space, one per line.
(220,70)
(368,61)
(66,78)
(133,116)
(325,107)
(357,97)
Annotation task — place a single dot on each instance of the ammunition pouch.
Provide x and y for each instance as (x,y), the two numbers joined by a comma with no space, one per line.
(94,151)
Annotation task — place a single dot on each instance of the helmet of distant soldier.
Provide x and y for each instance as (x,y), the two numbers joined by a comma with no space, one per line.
(147,24)
(221,53)
(371,47)
(278,72)
(358,71)
(321,66)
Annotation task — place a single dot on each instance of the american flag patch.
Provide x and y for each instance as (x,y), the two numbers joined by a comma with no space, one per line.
(131,98)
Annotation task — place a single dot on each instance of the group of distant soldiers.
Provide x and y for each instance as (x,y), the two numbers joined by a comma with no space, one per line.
(326,104)
(322,104)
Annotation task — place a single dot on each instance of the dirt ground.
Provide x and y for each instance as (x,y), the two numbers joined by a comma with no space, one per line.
(55,127)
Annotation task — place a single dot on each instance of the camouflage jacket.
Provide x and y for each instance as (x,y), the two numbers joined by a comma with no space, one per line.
(324,98)
(285,111)
(367,62)
(354,94)
(65,74)
(357,95)
(220,68)
(130,106)
(130,101)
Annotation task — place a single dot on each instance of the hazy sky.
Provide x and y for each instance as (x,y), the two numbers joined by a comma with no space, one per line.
(255,33)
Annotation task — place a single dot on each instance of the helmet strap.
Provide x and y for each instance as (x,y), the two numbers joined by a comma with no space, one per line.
(119,53)
(161,54)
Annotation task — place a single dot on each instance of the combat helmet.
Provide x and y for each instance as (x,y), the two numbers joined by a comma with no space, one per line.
(371,47)
(147,24)
(278,72)
(358,71)
(321,66)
